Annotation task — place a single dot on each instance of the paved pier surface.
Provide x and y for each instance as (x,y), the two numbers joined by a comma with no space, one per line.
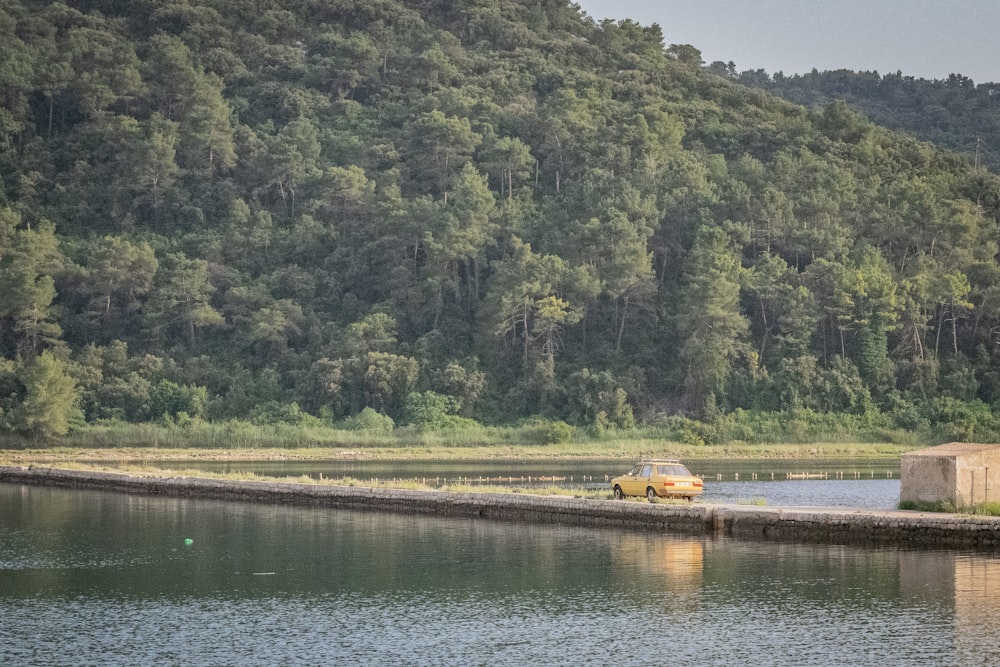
(791,524)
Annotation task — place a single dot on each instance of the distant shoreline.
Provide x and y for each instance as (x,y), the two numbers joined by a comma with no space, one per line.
(625,450)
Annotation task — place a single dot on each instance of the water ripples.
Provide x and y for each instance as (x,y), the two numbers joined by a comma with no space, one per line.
(100,579)
(471,629)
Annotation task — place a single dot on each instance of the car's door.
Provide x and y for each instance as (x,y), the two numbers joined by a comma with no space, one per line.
(639,481)
(628,482)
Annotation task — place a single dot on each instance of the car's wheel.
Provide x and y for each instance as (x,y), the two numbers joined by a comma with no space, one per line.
(651,494)
(619,494)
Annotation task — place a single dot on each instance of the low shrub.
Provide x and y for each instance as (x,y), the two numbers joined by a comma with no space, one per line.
(547,431)
(273,412)
(368,420)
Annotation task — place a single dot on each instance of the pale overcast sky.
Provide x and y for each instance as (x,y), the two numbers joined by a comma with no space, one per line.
(922,38)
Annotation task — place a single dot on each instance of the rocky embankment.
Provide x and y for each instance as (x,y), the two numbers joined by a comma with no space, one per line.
(801,524)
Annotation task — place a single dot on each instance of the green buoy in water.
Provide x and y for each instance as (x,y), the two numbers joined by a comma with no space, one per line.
(188,540)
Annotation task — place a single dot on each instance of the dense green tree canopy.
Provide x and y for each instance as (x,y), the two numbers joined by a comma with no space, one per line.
(442,211)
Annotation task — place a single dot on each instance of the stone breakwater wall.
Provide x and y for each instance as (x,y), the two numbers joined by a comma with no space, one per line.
(817,525)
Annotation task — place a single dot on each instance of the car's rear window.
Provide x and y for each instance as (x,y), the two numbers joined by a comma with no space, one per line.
(674,470)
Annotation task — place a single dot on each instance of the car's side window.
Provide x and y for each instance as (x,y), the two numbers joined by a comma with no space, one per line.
(647,471)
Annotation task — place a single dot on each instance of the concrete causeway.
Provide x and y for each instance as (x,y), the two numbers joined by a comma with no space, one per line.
(788,524)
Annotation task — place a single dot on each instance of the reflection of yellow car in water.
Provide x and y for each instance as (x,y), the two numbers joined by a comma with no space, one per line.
(658,478)
(680,562)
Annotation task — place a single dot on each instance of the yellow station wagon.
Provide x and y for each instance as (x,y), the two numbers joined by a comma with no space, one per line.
(658,478)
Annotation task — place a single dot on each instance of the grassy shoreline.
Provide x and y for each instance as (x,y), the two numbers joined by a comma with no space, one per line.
(410,484)
(626,449)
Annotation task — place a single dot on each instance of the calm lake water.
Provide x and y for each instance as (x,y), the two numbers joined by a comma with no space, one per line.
(93,578)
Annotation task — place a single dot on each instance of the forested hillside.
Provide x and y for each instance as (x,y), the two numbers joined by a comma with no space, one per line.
(953,113)
(443,211)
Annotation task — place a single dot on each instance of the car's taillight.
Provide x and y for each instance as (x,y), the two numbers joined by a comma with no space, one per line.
(699,483)
(668,484)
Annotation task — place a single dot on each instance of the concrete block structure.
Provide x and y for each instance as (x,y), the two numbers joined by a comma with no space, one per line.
(962,473)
